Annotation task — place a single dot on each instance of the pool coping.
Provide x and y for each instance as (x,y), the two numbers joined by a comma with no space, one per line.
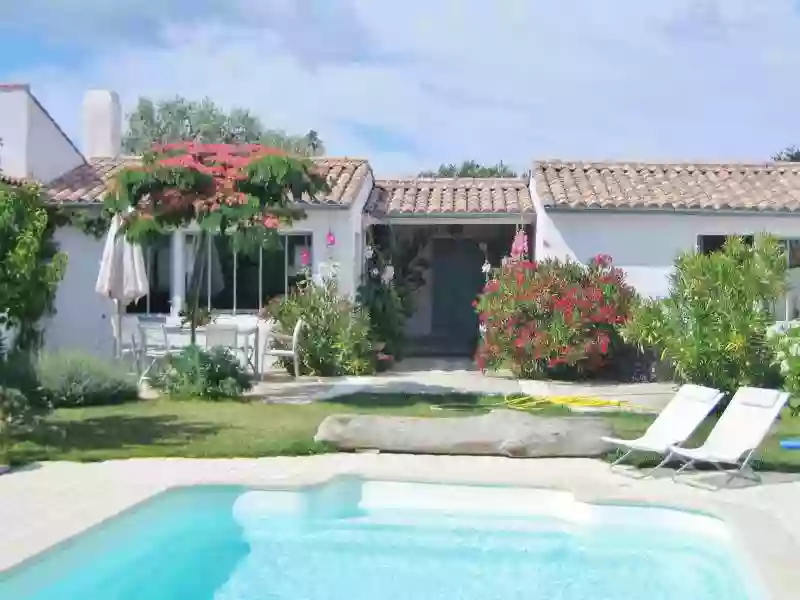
(46,506)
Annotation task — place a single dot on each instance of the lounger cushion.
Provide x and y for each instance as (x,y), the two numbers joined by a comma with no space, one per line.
(759,397)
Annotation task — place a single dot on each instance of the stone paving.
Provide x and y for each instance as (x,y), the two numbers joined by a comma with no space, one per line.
(43,505)
(445,376)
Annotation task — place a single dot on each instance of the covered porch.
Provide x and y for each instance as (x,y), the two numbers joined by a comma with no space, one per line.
(441,233)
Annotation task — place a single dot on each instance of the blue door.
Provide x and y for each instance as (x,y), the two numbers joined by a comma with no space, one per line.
(457,281)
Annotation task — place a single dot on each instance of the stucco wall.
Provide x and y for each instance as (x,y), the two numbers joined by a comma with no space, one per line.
(83,317)
(49,152)
(644,245)
(14,131)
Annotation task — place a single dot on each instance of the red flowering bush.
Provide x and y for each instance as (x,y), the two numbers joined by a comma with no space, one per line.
(552,318)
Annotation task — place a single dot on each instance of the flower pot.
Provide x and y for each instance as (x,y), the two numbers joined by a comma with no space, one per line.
(384,362)
(378,346)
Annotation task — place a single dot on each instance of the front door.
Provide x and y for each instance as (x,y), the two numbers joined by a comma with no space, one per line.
(457,280)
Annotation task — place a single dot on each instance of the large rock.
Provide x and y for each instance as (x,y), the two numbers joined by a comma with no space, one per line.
(500,433)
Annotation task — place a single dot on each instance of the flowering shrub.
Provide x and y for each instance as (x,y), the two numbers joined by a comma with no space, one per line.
(245,191)
(336,339)
(552,318)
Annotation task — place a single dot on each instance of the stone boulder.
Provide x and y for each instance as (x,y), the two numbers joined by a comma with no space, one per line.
(499,433)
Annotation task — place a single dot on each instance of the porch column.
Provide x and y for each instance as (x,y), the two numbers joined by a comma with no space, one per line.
(177,273)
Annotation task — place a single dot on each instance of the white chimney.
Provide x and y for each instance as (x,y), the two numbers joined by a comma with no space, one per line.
(102,124)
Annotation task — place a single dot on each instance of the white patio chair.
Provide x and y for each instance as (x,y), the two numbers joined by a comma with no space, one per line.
(128,340)
(227,336)
(293,341)
(737,435)
(155,345)
(674,424)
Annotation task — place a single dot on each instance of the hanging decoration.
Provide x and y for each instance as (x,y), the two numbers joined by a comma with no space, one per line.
(330,239)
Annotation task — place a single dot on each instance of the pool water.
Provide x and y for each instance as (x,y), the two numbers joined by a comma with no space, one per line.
(351,541)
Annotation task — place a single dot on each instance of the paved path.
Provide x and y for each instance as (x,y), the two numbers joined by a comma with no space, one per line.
(447,376)
(42,506)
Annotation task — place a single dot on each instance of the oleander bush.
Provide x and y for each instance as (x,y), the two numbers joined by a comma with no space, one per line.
(553,318)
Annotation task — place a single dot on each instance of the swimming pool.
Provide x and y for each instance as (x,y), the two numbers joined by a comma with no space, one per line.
(360,540)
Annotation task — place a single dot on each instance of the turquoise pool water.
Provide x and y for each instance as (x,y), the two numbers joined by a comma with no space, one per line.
(225,543)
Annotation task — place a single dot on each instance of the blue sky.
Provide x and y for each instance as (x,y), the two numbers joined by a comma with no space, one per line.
(416,83)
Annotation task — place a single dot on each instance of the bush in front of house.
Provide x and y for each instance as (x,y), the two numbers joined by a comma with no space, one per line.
(553,318)
(208,374)
(336,339)
(71,378)
(22,405)
(387,318)
(787,354)
(713,326)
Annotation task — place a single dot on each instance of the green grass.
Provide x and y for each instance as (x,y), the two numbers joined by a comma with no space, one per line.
(195,428)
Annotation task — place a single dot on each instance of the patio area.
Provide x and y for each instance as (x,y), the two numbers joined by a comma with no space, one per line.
(451,376)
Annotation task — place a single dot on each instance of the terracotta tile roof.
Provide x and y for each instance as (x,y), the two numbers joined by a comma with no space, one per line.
(346,176)
(434,196)
(668,186)
(89,183)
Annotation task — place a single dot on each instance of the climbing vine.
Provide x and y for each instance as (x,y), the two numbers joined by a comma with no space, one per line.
(30,265)
(90,221)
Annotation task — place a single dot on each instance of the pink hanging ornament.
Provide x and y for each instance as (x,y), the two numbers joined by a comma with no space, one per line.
(305,257)
(519,247)
(330,239)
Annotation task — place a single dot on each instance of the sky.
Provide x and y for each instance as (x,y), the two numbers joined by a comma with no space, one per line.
(414,83)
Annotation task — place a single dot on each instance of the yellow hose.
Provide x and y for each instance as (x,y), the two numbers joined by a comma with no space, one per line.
(542,402)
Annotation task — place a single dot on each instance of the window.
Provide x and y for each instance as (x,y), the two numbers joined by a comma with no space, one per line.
(793,252)
(158,264)
(707,244)
(247,281)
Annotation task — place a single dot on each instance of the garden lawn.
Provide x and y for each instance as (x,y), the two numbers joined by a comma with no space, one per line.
(195,428)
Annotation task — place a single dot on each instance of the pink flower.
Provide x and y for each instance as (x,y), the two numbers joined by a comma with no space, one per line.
(305,257)
(270,222)
(519,247)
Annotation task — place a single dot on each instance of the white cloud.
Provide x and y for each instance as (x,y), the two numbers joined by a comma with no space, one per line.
(457,79)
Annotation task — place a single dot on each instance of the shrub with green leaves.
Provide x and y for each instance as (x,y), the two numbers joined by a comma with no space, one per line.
(713,326)
(387,316)
(208,374)
(72,378)
(22,405)
(787,355)
(336,339)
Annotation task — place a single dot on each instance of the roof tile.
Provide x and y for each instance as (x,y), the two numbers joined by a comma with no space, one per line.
(89,183)
(435,196)
(669,186)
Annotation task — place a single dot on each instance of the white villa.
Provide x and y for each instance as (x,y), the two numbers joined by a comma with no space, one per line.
(640,214)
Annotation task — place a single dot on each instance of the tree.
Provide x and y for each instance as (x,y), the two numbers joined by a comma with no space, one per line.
(241,190)
(30,267)
(470,168)
(182,120)
(788,154)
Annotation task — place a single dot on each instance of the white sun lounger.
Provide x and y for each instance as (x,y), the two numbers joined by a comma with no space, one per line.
(674,425)
(739,432)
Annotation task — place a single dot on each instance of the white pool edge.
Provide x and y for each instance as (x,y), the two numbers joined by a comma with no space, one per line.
(103,490)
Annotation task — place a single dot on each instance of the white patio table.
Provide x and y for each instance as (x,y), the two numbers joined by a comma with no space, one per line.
(179,337)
